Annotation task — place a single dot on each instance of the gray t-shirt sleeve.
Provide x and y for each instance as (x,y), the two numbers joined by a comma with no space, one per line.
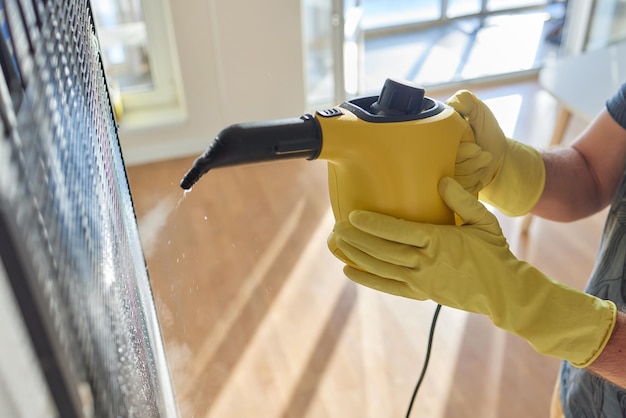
(616,106)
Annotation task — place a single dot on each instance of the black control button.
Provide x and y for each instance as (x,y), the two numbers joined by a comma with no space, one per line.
(399,98)
(329,113)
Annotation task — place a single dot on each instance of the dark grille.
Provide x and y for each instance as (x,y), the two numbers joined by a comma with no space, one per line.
(69,238)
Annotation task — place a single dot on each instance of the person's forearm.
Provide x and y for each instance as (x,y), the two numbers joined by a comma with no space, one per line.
(581,179)
(610,365)
(570,190)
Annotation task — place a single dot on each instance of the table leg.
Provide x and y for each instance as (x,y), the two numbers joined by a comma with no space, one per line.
(562,120)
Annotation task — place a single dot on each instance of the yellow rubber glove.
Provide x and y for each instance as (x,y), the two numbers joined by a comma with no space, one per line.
(514,178)
(470,267)
(471,166)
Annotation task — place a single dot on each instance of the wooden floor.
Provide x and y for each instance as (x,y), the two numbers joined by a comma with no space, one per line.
(259,320)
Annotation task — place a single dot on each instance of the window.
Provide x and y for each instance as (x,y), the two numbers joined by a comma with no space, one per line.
(139,60)
(431,42)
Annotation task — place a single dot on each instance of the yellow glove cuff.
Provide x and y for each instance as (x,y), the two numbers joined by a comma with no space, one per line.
(562,322)
(520,180)
(606,314)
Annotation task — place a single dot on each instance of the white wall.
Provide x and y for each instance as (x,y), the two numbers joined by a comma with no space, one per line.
(239,61)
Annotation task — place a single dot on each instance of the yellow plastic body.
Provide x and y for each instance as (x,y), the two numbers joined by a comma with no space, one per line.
(391,167)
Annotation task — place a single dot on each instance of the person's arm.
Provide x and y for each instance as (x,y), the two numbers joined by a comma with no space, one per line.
(470,267)
(564,184)
(581,179)
(610,364)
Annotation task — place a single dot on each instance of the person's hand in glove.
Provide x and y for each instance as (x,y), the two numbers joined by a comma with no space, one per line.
(470,267)
(508,174)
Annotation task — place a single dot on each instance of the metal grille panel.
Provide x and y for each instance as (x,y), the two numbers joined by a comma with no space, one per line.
(70,242)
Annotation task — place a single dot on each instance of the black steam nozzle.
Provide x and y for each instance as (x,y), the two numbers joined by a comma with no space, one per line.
(252,142)
(190,178)
(195,172)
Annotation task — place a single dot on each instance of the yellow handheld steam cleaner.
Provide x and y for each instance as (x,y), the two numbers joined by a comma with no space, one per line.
(385,153)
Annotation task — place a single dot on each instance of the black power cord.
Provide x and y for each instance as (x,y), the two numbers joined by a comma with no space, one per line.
(426,359)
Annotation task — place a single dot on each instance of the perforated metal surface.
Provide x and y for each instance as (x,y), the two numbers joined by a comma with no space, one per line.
(69,238)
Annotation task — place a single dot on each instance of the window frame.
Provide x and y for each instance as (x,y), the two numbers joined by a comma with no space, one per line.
(164,103)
